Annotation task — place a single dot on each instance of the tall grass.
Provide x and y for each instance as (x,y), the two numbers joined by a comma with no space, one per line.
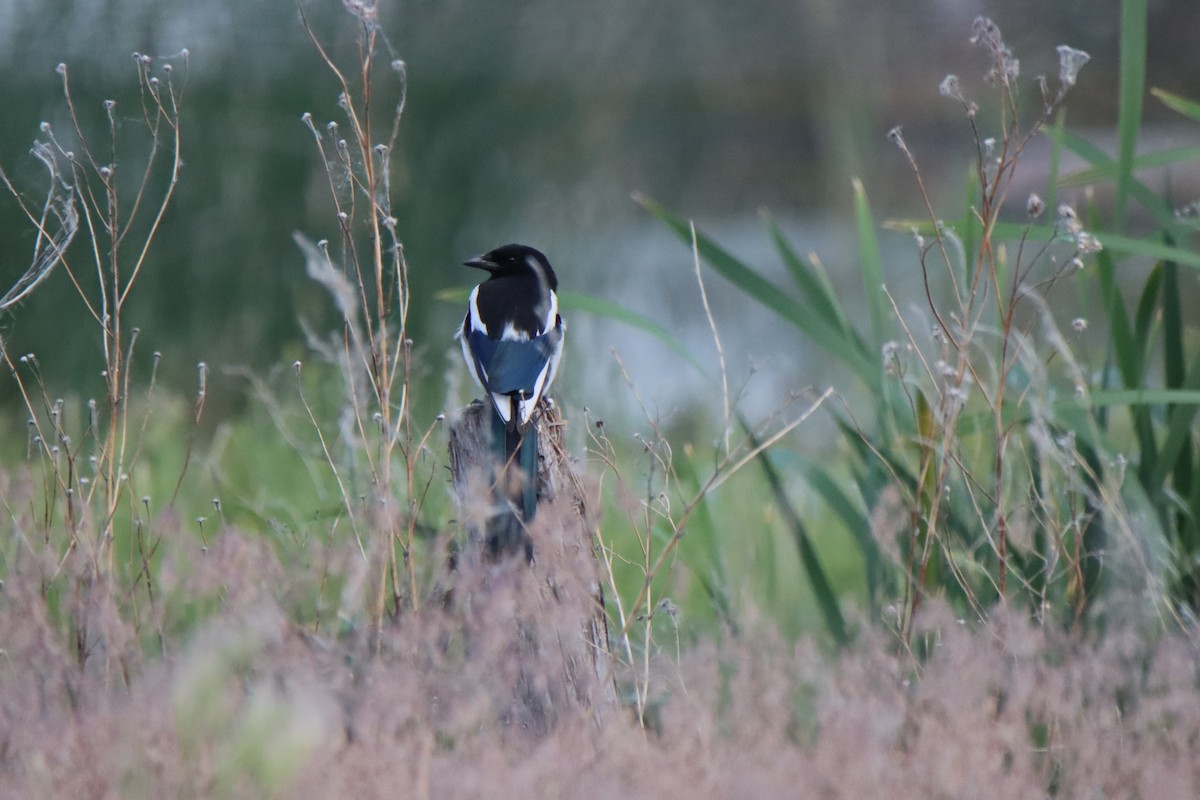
(992,465)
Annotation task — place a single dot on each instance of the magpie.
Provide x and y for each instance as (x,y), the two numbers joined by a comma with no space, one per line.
(512,340)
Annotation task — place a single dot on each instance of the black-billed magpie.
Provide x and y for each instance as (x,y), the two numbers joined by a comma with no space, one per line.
(512,339)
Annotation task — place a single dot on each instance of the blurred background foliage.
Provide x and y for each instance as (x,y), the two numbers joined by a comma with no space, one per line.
(531,121)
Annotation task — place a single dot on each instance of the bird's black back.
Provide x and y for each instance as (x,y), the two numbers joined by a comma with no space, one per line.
(519,300)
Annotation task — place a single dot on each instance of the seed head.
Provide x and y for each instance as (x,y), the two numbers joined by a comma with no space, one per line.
(949,88)
(1035,206)
(1068,220)
(1087,243)
(1070,61)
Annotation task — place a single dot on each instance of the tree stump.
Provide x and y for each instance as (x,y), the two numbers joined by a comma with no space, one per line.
(548,609)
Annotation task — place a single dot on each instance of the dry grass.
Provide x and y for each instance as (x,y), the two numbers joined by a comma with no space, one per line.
(470,699)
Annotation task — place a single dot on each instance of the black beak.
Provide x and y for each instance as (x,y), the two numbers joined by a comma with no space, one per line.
(480,262)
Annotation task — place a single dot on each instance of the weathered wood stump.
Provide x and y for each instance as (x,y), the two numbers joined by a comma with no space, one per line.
(546,610)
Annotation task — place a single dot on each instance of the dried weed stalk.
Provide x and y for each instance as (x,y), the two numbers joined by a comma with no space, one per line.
(376,458)
(115,193)
(989,354)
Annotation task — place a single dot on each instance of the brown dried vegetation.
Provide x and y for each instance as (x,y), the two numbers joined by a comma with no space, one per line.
(486,696)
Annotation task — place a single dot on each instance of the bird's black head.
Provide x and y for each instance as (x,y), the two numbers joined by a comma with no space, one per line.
(515,260)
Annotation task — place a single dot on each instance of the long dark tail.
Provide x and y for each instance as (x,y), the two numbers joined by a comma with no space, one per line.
(517,452)
(525,446)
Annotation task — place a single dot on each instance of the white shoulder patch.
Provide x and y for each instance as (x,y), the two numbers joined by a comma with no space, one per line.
(552,314)
(473,312)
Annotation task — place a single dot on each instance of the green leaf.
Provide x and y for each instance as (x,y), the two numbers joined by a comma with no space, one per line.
(1100,160)
(1148,248)
(1144,320)
(872,266)
(1108,170)
(817,475)
(812,281)
(570,301)
(822,589)
(1132,86)
(1146,310)
(1174,456)
(457,294)
(770,296)
(1126,348)
(1179,429)
(1136,397)
(1173,366)
(1189,108)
